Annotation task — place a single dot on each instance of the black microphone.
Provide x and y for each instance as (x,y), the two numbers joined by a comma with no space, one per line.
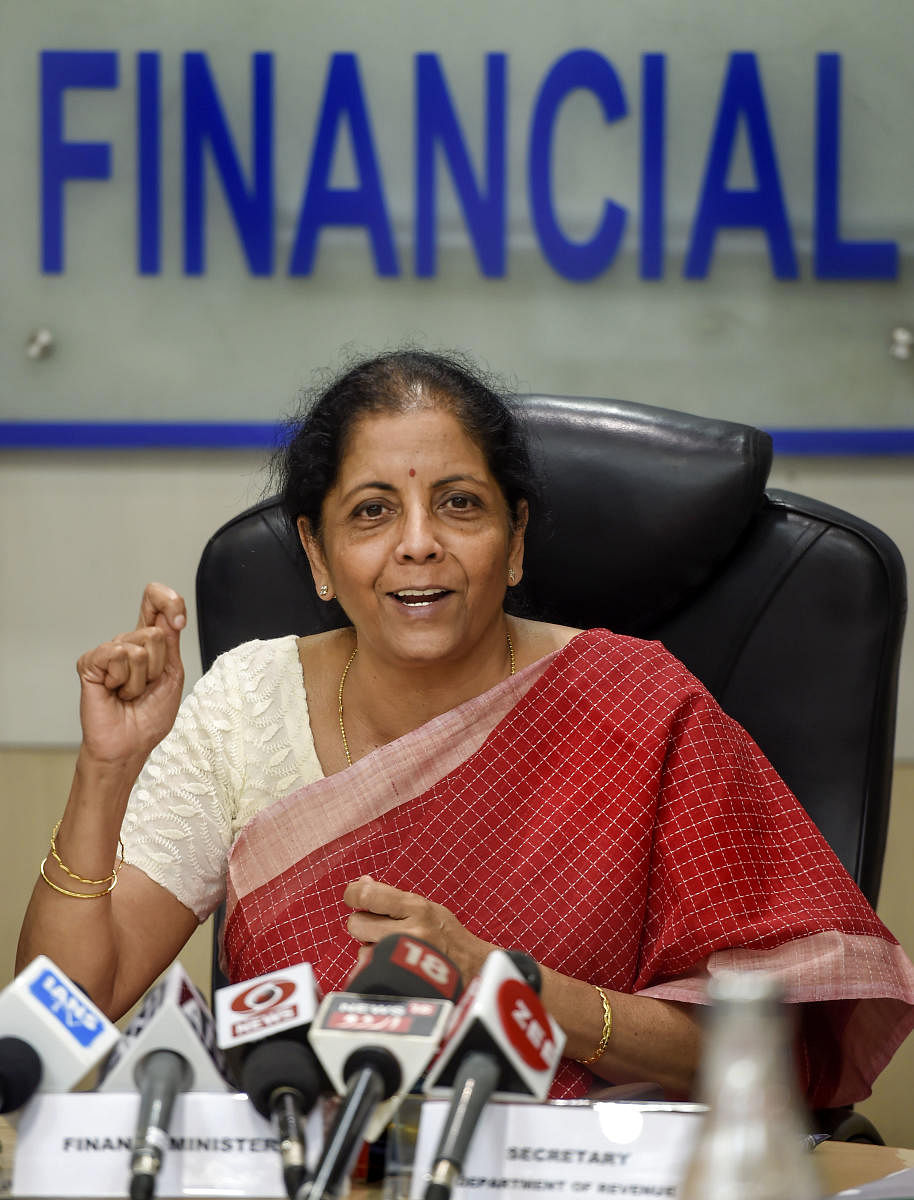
(169,1047)
(262,1025)
(502,1043)
(374,1041)
(161,1076)
(20,1073)
(284,1081)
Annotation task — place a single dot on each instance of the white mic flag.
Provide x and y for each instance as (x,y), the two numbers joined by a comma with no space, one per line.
(172,1016)
(499,1012)
(70,1034)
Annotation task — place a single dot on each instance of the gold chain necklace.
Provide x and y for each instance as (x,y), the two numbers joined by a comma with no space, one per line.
(349,662)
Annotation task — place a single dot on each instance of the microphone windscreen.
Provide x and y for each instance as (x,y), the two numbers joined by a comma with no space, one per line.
(281,1063)
(528,967)
(401,965)
(20,1073)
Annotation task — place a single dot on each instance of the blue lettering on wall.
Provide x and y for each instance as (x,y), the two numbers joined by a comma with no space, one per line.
(575,260)
(836,258)
(362,205)
(205,123)
(653,165)
(480,187)
(148,163)
(761,207)
(437,126)
(62,160)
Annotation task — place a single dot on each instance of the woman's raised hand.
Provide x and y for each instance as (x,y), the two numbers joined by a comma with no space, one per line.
(131,686)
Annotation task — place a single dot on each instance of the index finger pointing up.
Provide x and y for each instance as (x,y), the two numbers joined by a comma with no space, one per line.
(159,599)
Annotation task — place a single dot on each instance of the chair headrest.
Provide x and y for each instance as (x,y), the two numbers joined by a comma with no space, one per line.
(666,495)
(646,504)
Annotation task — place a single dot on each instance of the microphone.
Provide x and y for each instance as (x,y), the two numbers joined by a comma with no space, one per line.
(65,1031)
(374,1041)
(20,1073)
(284,1081)
(502,1044)
(169,1047)
(262,1025)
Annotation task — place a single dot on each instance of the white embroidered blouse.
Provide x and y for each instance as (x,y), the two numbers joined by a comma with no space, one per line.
(241,740)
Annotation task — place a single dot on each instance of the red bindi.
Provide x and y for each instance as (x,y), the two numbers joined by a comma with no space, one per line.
(412,471)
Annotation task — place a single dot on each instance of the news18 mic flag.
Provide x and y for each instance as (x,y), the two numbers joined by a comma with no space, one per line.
(398,1004)
(374,1041)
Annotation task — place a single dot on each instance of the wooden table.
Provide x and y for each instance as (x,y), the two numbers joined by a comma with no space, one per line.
(849,1164)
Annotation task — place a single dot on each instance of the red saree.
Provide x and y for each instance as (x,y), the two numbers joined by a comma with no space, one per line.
(599,811)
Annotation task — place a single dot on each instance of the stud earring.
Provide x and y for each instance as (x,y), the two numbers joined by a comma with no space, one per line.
(323,589)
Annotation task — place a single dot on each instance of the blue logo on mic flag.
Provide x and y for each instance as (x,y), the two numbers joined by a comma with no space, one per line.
(70,1008)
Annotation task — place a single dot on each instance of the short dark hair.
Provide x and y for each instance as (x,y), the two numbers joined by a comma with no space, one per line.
(307,465)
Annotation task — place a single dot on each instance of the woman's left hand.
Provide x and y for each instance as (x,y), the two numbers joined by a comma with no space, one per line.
(651,1039)
(382,910)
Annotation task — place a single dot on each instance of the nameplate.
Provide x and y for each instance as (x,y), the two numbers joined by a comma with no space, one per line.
(566,1149)
(79,1144)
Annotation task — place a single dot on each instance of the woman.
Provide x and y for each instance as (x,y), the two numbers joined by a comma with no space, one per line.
(440,768)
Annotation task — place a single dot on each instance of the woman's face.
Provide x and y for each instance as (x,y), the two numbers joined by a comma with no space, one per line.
(417,539)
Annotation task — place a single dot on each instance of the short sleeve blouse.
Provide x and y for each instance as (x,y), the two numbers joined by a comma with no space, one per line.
(241,740)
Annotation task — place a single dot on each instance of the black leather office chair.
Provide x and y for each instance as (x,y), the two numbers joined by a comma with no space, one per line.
(790,611)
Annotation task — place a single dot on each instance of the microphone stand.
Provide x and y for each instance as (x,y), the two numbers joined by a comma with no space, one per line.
(365,1093)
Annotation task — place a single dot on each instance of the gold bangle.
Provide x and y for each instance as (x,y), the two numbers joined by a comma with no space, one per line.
(81,878)
(76,895)
(607,1030)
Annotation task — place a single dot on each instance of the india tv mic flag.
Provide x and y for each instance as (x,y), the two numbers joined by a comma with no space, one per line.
(398,1003)
(374,1041)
